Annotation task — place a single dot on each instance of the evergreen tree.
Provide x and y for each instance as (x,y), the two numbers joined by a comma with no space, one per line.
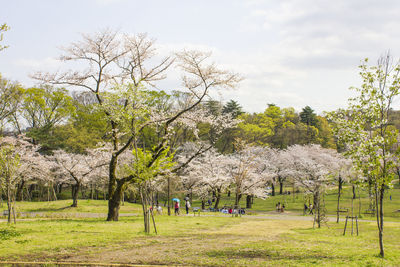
(233,107)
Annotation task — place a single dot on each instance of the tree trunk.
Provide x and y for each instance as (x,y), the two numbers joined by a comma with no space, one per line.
(114,201)
(379,217)
(75,192)
(203,205)
(354,191)
(237,199)
(169,195)
(273,189)
(114,191)
(9,204)
(218,197)
(20,190)
(146,215)
(248,202)
(340,183)
(317,216)
(280,186)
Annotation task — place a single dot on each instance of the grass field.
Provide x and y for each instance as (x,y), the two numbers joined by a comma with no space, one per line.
(295,203)
(207,241)
(63,234)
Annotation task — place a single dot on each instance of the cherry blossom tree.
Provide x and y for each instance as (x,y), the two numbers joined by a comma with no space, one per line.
(76,169)
(19,162)
(208,172)
(249,171)
(117,71)
(312,168)
(9,163)
(279,162)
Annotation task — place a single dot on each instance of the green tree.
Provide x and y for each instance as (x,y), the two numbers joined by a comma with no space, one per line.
(365,131)
(233,108)
(256,128)
(9,164)
(43,109)
(325,133)
(10,99)
(308,116)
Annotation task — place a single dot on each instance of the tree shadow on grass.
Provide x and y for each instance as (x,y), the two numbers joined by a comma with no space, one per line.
(47,209)
(267,254)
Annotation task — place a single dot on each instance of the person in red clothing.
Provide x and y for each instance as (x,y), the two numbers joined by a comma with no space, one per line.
(176,208)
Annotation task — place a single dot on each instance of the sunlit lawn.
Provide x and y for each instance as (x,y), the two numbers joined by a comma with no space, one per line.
(211,241)
(64,206)
(62,233)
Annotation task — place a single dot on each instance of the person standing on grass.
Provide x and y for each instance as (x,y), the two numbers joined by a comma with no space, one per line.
(187,206)
(176,208)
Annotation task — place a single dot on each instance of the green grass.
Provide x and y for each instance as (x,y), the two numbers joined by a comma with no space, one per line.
(207,241)
(64,206)
(295,203)
(64,234)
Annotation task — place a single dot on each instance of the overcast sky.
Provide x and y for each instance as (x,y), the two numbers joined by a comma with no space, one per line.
(291,52)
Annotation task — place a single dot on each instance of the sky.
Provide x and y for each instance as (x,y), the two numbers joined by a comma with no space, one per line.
(291,53)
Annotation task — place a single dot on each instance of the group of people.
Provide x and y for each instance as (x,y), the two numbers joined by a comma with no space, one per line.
(177,206)
(280,207)
(234,211)
(308,209)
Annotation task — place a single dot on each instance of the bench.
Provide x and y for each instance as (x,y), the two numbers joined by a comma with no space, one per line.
(196,210)
(369,211)
(341,209)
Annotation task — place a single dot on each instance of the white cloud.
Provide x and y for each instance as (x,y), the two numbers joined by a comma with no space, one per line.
(37,64)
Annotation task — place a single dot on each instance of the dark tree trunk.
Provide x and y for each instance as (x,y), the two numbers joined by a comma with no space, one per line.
(114,192)
(169,195)
(75,192)
(229,193)
(340,183)
(218,197)
(20,190)
(316,207)
(237,200)
(379,217)
(203,205)
(114,202)
(248,202)
(280,186)
(354,191)
(273,189)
